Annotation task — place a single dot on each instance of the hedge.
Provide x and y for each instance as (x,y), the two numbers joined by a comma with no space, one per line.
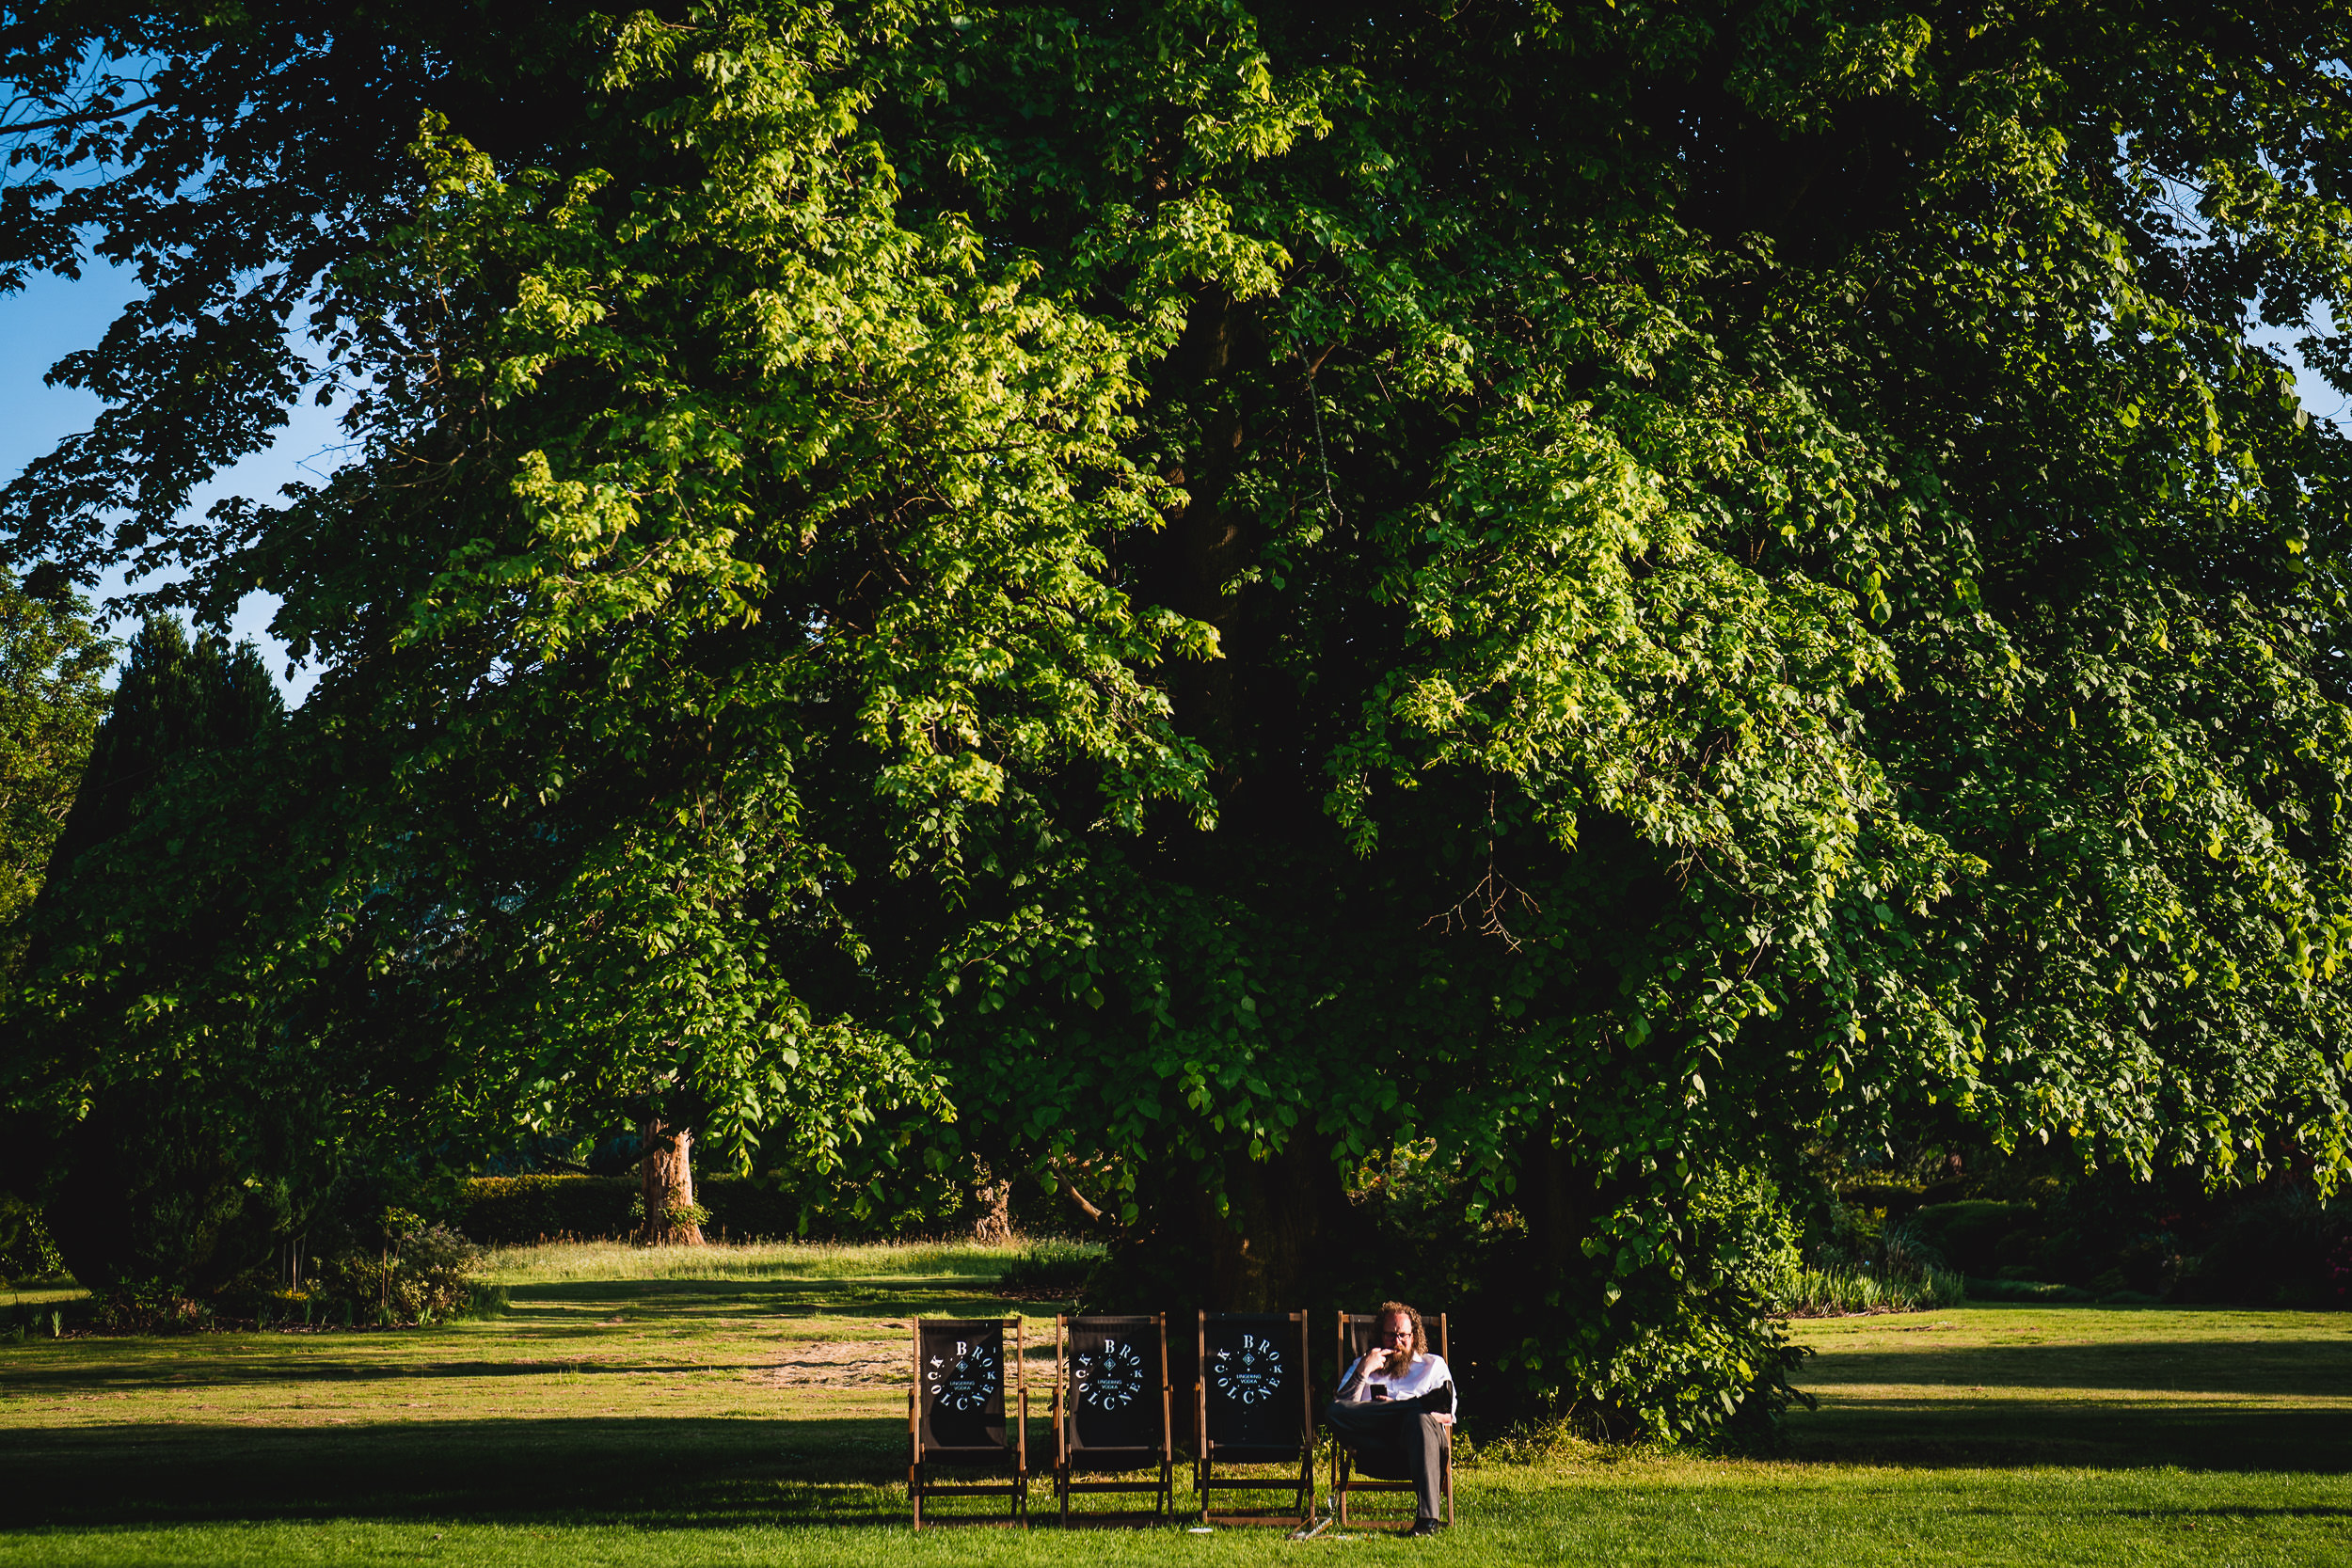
(504,1210)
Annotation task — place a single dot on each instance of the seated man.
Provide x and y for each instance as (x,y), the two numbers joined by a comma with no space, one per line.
(1393,1408)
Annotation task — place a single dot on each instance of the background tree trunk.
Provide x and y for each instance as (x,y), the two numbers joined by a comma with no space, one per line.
(1286,1240)
(992,1203)
(667,1172)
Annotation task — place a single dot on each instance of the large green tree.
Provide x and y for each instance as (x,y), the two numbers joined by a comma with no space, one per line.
(1190,597)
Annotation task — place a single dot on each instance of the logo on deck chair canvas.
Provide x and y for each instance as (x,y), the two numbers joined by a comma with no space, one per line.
(1252,1372)
(1110,1378)
(966,1380)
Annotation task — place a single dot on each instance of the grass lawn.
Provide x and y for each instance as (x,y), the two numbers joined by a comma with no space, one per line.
(747,1404)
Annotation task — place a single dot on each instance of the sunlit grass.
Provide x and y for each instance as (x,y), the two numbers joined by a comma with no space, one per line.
(555,1263)
(47,1293)
(747,1404)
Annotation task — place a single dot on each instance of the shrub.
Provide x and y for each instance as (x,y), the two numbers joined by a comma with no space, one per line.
(1648,1352)
(1969,1234)
(677,1216)
(425,1274)
(1908,1251)
(1847,1234)
(151,1307)
(1981,1289)
(514,1211)
(1859,1263)
(2282,1247)
(26,1249)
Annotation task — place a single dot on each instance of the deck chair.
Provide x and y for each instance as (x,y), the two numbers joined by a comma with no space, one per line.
(1253,1405)
(1110,1414)
(956,1416)
(1356,1331)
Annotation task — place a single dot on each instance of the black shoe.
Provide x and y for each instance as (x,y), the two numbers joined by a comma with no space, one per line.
(1426,1527)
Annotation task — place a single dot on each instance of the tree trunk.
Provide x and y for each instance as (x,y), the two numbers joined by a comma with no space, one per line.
(1288,1237)
(1549,1201)
(1206,544)
(667,1172)
(992,1202)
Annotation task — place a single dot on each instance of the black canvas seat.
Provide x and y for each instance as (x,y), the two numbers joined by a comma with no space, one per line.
(957,1416)
(1351,1474)
(1111,1413)
(1254,1404)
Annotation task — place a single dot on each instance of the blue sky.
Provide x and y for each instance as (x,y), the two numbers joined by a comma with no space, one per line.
(53,317)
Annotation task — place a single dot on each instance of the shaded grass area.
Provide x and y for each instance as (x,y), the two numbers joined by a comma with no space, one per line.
(684,1414)
(1639,1511)
(2020,1386)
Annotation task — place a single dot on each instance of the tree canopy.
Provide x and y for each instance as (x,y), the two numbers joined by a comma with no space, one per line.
(52,662)
(1190,596)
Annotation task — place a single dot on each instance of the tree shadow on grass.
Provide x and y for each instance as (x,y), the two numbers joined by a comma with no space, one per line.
(1998,1434)
(675,1471)
(2271,1405)
(251,1371)
(2315,1512)
(2291,1367)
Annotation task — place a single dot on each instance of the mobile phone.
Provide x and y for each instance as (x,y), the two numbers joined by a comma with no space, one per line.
(1379,1391)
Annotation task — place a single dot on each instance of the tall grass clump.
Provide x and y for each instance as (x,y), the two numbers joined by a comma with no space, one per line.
(1831,1292)
(1858,1262)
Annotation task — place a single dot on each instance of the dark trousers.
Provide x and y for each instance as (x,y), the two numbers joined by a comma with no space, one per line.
(1399,1440)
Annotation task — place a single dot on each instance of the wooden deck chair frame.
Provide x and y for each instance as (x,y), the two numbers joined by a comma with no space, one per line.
(1015,1449)
(1355,1336)
(1071,1459)
(1207,1452)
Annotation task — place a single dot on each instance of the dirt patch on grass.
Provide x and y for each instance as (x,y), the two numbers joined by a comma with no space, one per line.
(839,1364)
(873,1364)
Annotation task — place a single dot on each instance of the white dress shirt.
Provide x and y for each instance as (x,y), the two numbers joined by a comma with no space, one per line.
(1426,1374)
